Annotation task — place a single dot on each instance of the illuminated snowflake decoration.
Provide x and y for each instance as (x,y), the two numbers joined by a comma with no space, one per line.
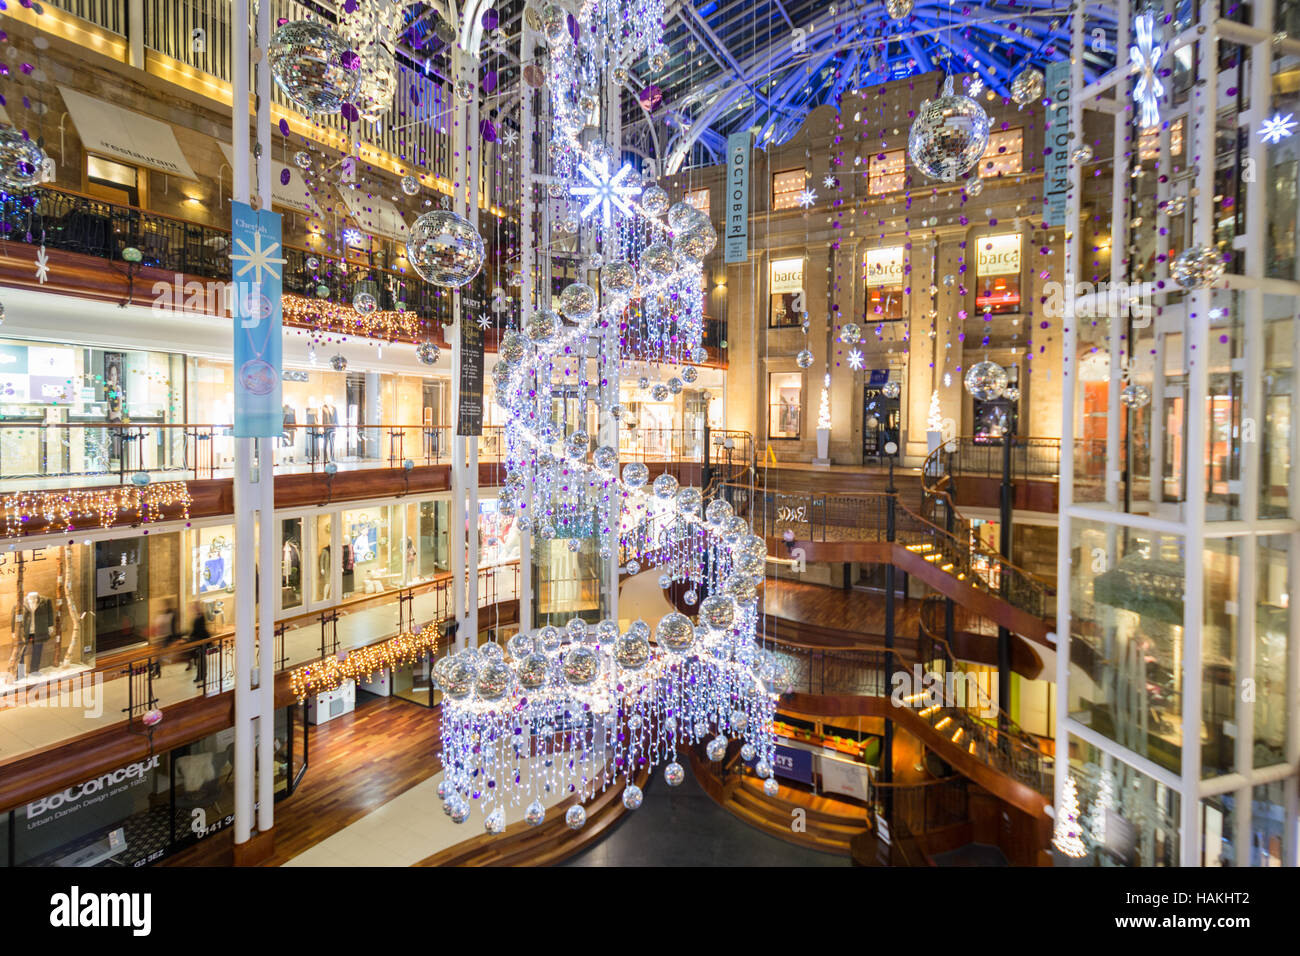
(828,181)
(807,198)
(855,359)
(1145,59)
(42,266)
(1278,128)
(484,322)
(509,137)
(605,191)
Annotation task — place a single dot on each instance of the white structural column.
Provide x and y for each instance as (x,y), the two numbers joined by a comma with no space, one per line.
(471,162)
(527,287)
(267,537)
(245,504)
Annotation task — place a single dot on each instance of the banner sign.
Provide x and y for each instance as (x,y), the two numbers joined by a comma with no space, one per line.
(737,230)
(469,411)
(885,267)
(793,764)
(256,274)
(1056,172)
(998,255)
(842,776)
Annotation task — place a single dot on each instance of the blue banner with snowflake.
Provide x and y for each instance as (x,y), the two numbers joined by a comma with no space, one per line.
(256,272)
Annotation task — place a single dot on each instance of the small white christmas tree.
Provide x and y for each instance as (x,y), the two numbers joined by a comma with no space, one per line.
(1067,830)
(824,410)
(934,420)
(1104,800)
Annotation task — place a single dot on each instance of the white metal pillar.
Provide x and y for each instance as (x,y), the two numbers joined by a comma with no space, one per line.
(527,279)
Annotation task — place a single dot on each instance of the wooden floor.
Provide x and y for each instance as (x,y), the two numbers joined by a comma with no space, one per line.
(852,610)
(357,763)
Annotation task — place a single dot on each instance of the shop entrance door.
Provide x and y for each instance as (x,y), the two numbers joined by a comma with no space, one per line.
(881,418)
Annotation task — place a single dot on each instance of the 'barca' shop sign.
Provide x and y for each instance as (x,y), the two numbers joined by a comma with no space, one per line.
(469,412)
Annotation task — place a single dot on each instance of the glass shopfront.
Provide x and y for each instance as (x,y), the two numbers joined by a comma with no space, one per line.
(146,810)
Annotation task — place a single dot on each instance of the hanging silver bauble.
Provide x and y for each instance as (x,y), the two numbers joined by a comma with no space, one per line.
(771,787)
(1027,86)
(1196,267)
(617,278)
(1082,155)
(410,185)
(654,201)
(632,651)
(364,302)
(313,66)
(1175,205)
(302,159)
(535,814)
(690,374)
(575,817)
(445,248)
(427,353)
(891,389)
(658,58)
(682,215)
(555,22)
(949,135)
(578,302)
(632,796)
(674,774)
(339,363)
(695,241)
(675,633)
(804,359)
(851,333)
(20,160)
(656,262)
(899,9)
(986,380)
(1011,393)
(1135,396)
(635,474)
(974,185)
(716,748)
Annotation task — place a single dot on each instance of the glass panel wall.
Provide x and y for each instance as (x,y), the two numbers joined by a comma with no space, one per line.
(1128,818)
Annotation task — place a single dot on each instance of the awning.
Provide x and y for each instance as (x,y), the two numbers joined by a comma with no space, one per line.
(125,135)
(374,215)
(294,195)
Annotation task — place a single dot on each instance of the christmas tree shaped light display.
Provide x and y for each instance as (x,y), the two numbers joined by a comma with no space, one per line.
(1066,837)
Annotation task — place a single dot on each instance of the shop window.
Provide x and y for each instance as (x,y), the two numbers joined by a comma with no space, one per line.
(566,583)
(1149,141)
(322,564)
(997,268)
(114,182)
(498,537)
(785,288)
(995,419)
(432,555)
(884,282)
(786,187)
(699,198)
(785,405)
(1004,155)
(212,574)
(44,624)
(291,566)
(371,560)
(887,172)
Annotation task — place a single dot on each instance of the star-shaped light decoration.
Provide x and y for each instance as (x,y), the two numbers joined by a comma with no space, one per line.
(855,359)
(258,259)
(484,322)
(828,181)
(1144,58)
(1278,128)
(509,137)
(606,191)
(42,265)
(807,197)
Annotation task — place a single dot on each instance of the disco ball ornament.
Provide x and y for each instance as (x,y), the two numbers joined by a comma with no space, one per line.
(302,159)
(1135,396)
(674,774)
(410,185)
(899,9)
(675,633)
(632,650)
(695,241)
(445,249)
(716,748)
(535,814)
(533,670)
(690,374)
(456,807)
(495,822)
(635,474)
(365,302)
(656,262)
(581,666)
(632,796)
(339,363)
(1027,86)
(891,389)
(617,278)
(747,752)
(576,817)
(1197,267)
(578,302)
(975,186)
(554,23)
(658,58)
(1082,155)
(986,380)
(851,333)
(949,135)
(427,353)
(771,787)
(804,359)
(20,160)
(313,66)
(654,201)
(659,392)
(1011,393)
(665,487)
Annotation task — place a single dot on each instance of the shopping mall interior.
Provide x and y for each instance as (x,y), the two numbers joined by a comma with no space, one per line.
(685,433)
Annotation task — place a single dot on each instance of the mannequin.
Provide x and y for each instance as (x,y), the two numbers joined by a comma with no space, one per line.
(290,419)
(312,434)
(329,417)
(33,620)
